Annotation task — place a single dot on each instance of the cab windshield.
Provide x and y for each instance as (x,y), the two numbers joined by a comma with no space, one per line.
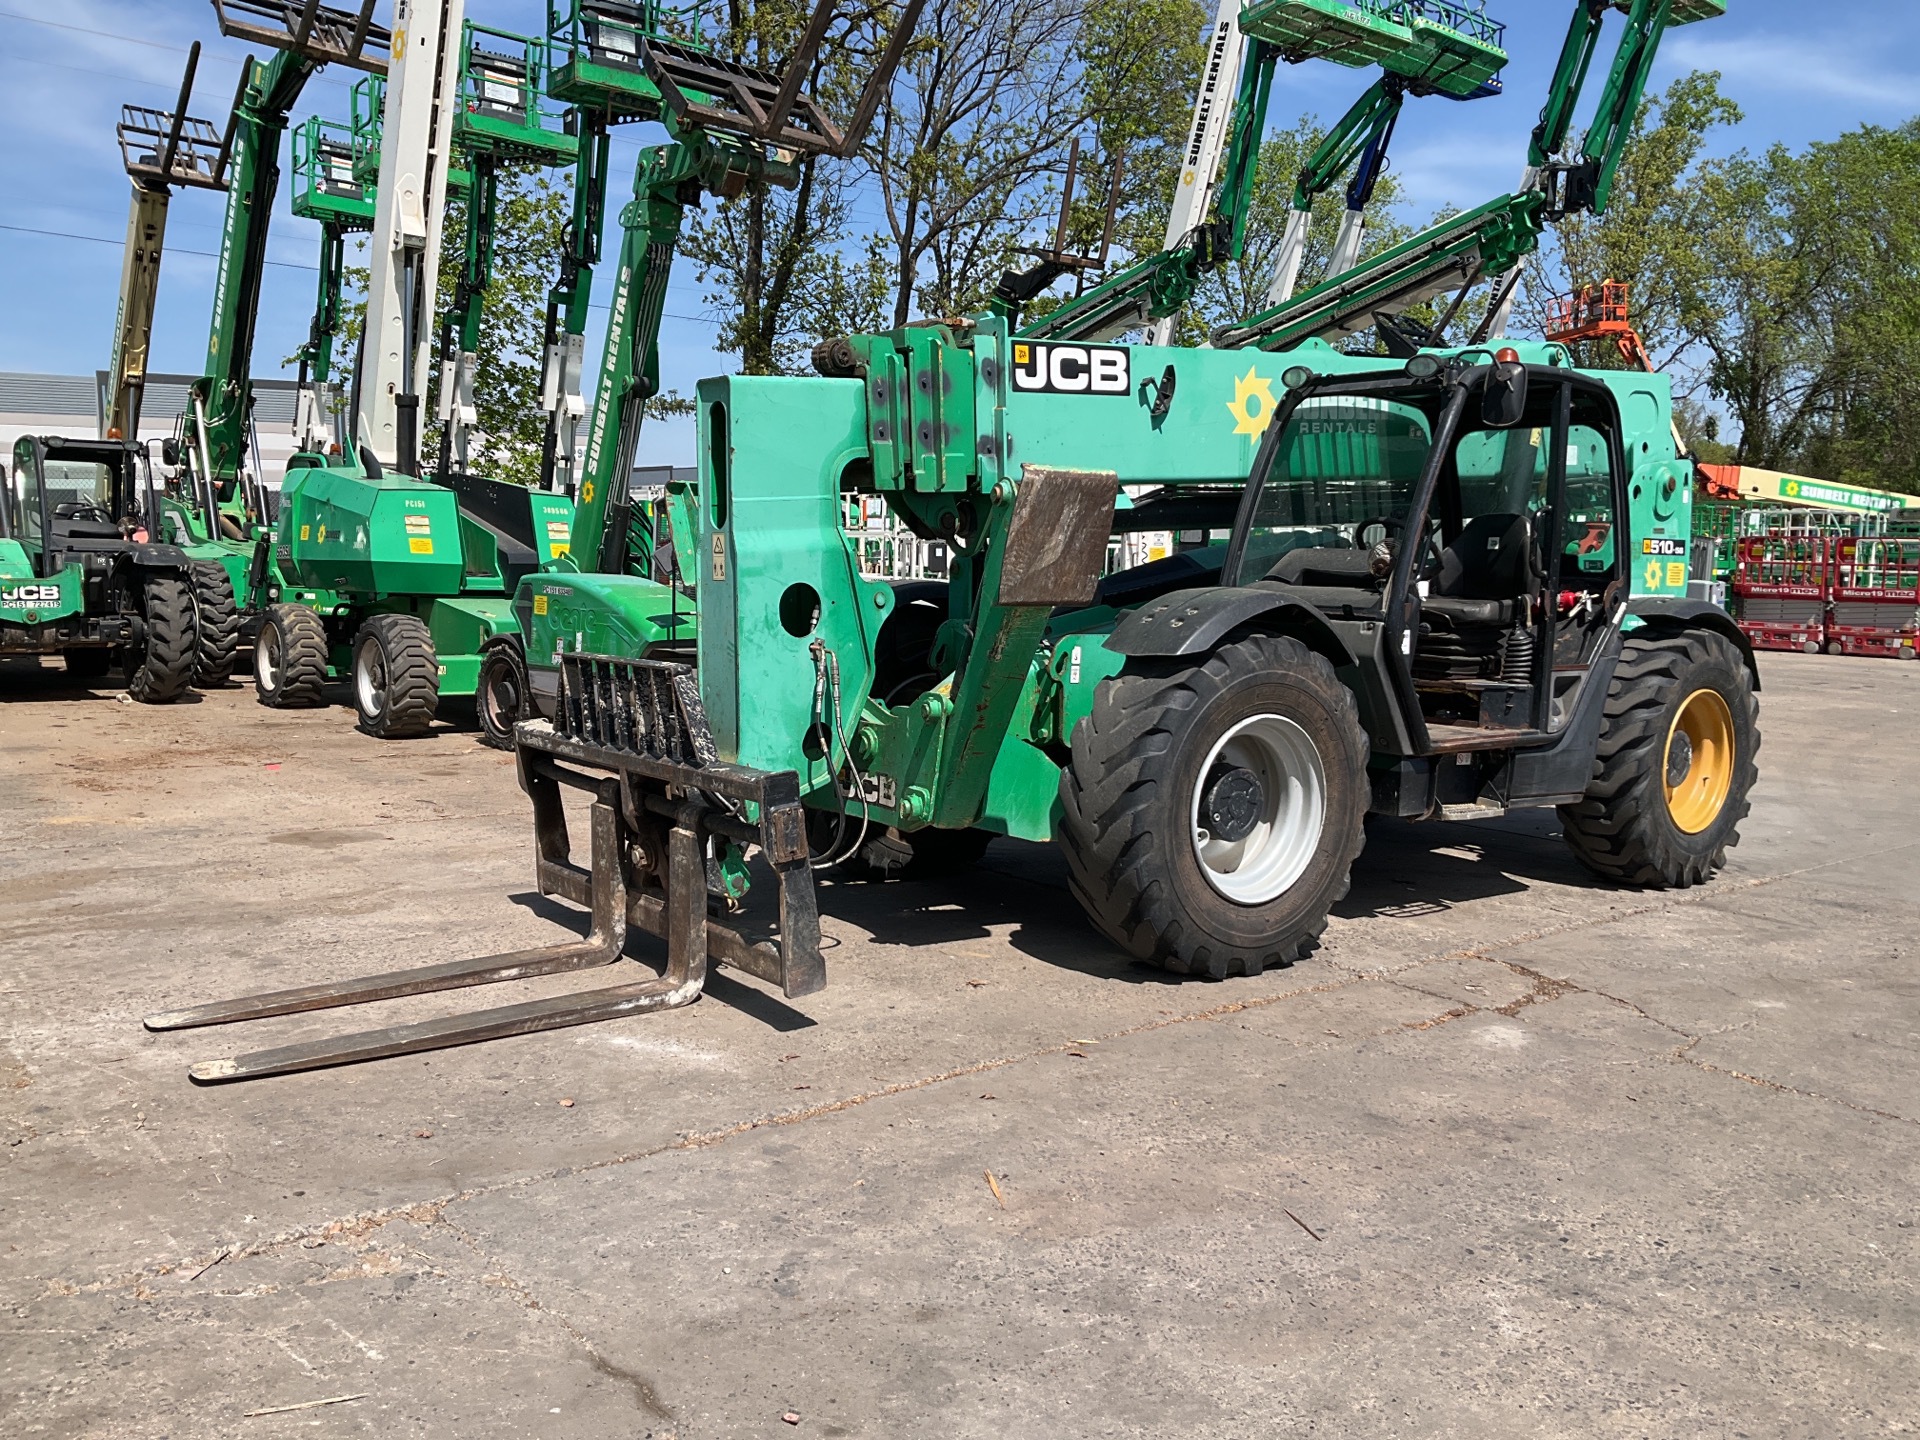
(1342,461)
(74,482)
(1346,467)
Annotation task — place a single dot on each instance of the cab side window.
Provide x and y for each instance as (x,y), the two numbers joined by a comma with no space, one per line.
(29,488)
(1587,549)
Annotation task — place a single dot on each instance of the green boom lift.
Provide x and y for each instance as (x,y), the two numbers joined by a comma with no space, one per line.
(371,569)
(1423,47)
(217,506)
(402,584)
(1456,586)
(327,191)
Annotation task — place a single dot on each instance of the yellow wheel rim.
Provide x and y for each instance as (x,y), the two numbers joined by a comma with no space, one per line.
(1699,760)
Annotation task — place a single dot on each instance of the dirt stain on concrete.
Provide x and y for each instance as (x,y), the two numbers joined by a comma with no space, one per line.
(324,839)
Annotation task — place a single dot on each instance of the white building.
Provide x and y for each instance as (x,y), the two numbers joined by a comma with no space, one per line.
(33,404)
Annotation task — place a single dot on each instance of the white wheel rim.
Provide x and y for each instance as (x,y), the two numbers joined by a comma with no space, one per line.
(266,658)
(370,679)
(1264,864)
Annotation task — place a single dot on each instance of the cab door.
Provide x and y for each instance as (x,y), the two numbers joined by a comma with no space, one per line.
(29,490)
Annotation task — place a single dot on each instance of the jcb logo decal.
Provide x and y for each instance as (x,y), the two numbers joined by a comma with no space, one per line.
(1071,369)
(30,595)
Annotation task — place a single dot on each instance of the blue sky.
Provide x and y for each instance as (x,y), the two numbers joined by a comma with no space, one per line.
(65,73)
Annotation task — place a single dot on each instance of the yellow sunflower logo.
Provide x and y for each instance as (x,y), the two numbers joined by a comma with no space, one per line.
(1252,403)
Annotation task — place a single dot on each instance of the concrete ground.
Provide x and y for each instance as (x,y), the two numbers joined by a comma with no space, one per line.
(1513,1155)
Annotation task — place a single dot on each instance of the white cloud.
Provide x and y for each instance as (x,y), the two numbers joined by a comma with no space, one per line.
(1781,66)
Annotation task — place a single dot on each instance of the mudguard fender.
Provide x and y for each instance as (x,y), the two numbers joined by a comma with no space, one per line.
(1191,622)
(158,557)
(1679,610)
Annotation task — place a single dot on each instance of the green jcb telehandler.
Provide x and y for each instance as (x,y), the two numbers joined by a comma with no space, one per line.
(1455,586)
(80,576)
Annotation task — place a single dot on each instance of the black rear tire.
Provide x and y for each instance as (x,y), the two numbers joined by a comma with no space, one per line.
(160,668)
(87,664)
(500,693)
(216,625)
(290,658)
(1133,844)
(903,651)
(396,677)
(1625,828)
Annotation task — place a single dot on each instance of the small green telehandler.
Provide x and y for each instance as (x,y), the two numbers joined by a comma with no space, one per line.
(80,575)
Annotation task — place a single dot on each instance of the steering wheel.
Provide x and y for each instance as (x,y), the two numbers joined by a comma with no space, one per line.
(82,510)
(1388,546)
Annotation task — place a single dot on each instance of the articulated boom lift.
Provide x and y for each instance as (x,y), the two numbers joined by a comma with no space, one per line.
(1492,240)
(499,118)
(327,191)
(1426,47)
(304,37)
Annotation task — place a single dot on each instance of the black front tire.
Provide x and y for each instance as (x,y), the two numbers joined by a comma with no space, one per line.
(1624,829)
(1126,824)
(160,668)
(500,693)
(290,658)
(396,677)
(216,618)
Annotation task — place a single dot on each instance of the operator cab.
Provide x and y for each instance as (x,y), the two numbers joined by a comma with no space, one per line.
(79,496)
(1454,521)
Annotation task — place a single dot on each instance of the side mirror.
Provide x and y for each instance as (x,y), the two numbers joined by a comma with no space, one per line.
(1503,400)
(170,451)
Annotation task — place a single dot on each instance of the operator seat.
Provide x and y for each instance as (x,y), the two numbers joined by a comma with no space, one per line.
(1484,575)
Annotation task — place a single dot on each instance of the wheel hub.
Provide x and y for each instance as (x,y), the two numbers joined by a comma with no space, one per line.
(1679,759)
(372,680)
(1700,760)
(1232,802)
(1258,809)
(503,698)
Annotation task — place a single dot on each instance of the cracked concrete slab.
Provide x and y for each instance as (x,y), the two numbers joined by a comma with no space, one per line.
(1513,1155)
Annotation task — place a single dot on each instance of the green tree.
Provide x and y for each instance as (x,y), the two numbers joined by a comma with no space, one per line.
(1140,65)
(773,258)
(1665,233)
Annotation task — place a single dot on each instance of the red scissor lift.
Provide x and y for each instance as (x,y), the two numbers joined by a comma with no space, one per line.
(1783,586)
(1876,597)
